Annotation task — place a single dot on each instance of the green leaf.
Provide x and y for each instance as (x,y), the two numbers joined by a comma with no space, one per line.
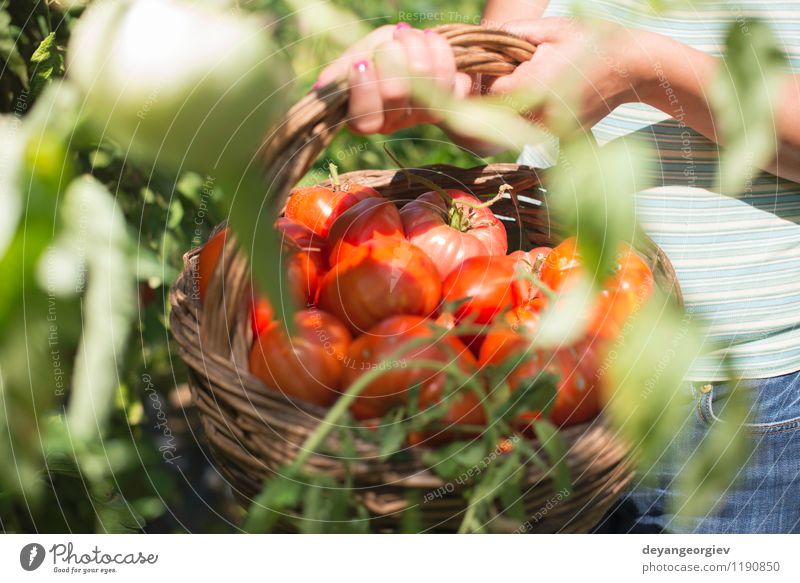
(47,62)
(744,96)
(532,394)
(455,458)
(555,446)
(279,494)
(392,435)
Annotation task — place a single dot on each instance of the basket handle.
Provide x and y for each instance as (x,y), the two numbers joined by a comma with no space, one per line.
(312,123)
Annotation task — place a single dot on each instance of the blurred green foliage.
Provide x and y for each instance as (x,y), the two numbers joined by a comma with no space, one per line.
(149,471)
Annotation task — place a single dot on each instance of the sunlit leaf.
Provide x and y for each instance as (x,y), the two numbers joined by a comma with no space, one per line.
(48,62)
(744,96)
(555,446)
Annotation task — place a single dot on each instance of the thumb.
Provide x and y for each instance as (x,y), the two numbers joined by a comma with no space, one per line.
(524,76)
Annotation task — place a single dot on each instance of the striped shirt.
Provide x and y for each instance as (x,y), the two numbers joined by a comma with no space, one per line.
(737,259)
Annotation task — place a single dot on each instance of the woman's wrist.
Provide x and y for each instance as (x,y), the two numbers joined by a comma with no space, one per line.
(644,52)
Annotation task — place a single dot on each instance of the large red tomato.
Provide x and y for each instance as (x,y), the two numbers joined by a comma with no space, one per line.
(387,346)
(577,397)
(207,261)
(304,261)
(309,365)
(368,220)
(378,280)
(451,234)
(317,207)
(482,287)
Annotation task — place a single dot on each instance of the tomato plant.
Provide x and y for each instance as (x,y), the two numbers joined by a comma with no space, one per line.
(450,231)
(368,220)
(309,364)
(378,280)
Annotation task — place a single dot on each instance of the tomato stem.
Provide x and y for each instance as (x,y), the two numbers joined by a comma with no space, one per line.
(500,192)
(334,174)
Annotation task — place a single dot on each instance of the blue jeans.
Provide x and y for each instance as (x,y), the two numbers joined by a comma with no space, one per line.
(766,496)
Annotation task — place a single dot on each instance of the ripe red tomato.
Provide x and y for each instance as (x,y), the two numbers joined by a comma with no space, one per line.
(386,341)
(577,396)
(207,261)
(261,314)
(307,366)
(378,280)
(449,235)
(484,286)
(304,261)
(561,264)
(368,220)
(317,207)
(623,293)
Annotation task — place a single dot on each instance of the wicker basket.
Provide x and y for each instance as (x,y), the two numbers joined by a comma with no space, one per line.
(253,431)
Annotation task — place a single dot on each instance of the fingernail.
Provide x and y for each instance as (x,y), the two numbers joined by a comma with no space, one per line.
(401,25)
(316,85)
(361,66)
(427,31)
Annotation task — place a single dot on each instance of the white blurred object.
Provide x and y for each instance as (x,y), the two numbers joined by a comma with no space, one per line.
(181,84)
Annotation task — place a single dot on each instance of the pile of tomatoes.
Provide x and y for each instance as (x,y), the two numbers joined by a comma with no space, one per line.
(394,287)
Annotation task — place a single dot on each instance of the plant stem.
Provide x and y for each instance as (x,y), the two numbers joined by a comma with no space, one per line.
(334,172)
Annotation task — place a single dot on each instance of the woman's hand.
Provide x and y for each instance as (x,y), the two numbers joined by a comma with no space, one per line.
(586,71)
(380,69)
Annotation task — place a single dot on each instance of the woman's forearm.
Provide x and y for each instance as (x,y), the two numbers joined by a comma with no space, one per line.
(676,80)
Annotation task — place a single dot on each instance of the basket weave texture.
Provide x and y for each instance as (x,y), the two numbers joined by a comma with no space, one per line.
(252,431)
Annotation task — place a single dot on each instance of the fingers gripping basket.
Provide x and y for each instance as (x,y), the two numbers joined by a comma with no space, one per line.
(253,431)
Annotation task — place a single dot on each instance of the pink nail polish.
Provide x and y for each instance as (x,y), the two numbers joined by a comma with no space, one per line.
(401,25)
(316,85)
(361,66)
(427,31)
